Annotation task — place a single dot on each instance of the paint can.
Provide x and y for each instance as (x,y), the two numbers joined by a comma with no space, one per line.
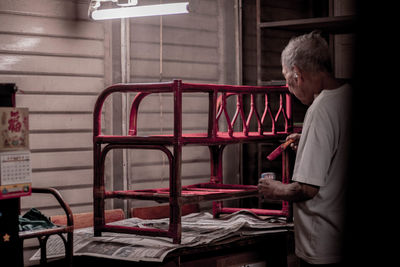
(268,175)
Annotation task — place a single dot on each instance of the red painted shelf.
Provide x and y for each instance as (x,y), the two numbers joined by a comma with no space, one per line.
(269,128)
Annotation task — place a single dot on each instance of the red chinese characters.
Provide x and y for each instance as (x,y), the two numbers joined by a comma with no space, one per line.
(14,125)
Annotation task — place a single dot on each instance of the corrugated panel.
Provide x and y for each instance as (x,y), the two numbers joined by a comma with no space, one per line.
(51,65)
(56,58)
(190,51)
(38,26)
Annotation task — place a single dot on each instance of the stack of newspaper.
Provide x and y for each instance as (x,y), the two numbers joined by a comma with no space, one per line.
(197,229)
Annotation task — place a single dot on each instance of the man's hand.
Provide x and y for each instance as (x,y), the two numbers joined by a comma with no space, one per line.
(296,138)
(269,188)
(272,189)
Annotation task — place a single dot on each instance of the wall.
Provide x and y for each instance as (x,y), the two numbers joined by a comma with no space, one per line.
(344,43)
(187,47)
(191,47)
(57,59)
(60,61)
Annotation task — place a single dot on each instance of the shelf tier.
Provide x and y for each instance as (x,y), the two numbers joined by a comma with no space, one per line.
(192,138)
(334,24)
(190,194)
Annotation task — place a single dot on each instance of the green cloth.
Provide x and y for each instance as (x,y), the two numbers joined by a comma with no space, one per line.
(34,220)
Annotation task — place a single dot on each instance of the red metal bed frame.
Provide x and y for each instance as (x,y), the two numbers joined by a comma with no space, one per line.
(176,194)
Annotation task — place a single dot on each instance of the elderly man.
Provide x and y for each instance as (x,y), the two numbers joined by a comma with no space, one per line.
(319,176)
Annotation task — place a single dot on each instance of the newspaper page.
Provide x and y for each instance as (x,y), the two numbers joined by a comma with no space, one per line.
(197,229)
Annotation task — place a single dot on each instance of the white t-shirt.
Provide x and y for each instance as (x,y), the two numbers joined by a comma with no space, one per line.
(321,160)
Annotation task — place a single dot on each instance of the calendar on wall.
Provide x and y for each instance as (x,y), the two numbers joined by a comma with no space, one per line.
(15,156)
(15,174)
(15,167)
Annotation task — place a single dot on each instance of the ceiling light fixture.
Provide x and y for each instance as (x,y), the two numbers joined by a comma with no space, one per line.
(130,11)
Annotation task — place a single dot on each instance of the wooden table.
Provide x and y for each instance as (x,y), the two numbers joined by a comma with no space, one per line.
(271,248)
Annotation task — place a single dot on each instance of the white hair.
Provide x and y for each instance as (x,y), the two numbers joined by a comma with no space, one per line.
(309,52)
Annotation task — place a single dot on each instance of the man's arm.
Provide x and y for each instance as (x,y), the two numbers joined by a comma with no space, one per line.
(295,191)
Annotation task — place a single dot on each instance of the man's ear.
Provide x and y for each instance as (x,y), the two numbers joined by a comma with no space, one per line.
(298,74)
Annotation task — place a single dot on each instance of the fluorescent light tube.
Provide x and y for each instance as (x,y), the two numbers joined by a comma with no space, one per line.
(141,11)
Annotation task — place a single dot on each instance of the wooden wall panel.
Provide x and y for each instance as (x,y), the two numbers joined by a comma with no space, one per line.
(56,56)
(166,121)
(25,23)
(199,54)
(189,49)
(57,103)
(182,36)
(155,176)
(62,161)
(60,61)
(45,45)
(344,43)
(50,65)
(71,195)
(46,84)
(76,9)
(63,180)
(60,141)
(249,48)
(190,103)
(174,69)
(60,122)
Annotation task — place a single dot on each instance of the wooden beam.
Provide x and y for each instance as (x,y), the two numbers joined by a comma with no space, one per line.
(337,24)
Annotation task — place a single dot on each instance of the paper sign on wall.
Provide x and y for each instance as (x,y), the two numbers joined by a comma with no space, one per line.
(14,129)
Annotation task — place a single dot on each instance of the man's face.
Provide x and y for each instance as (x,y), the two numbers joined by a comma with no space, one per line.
(290,79)
(298,86)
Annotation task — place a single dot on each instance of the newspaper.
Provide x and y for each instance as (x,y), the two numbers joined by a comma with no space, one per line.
(197,229)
